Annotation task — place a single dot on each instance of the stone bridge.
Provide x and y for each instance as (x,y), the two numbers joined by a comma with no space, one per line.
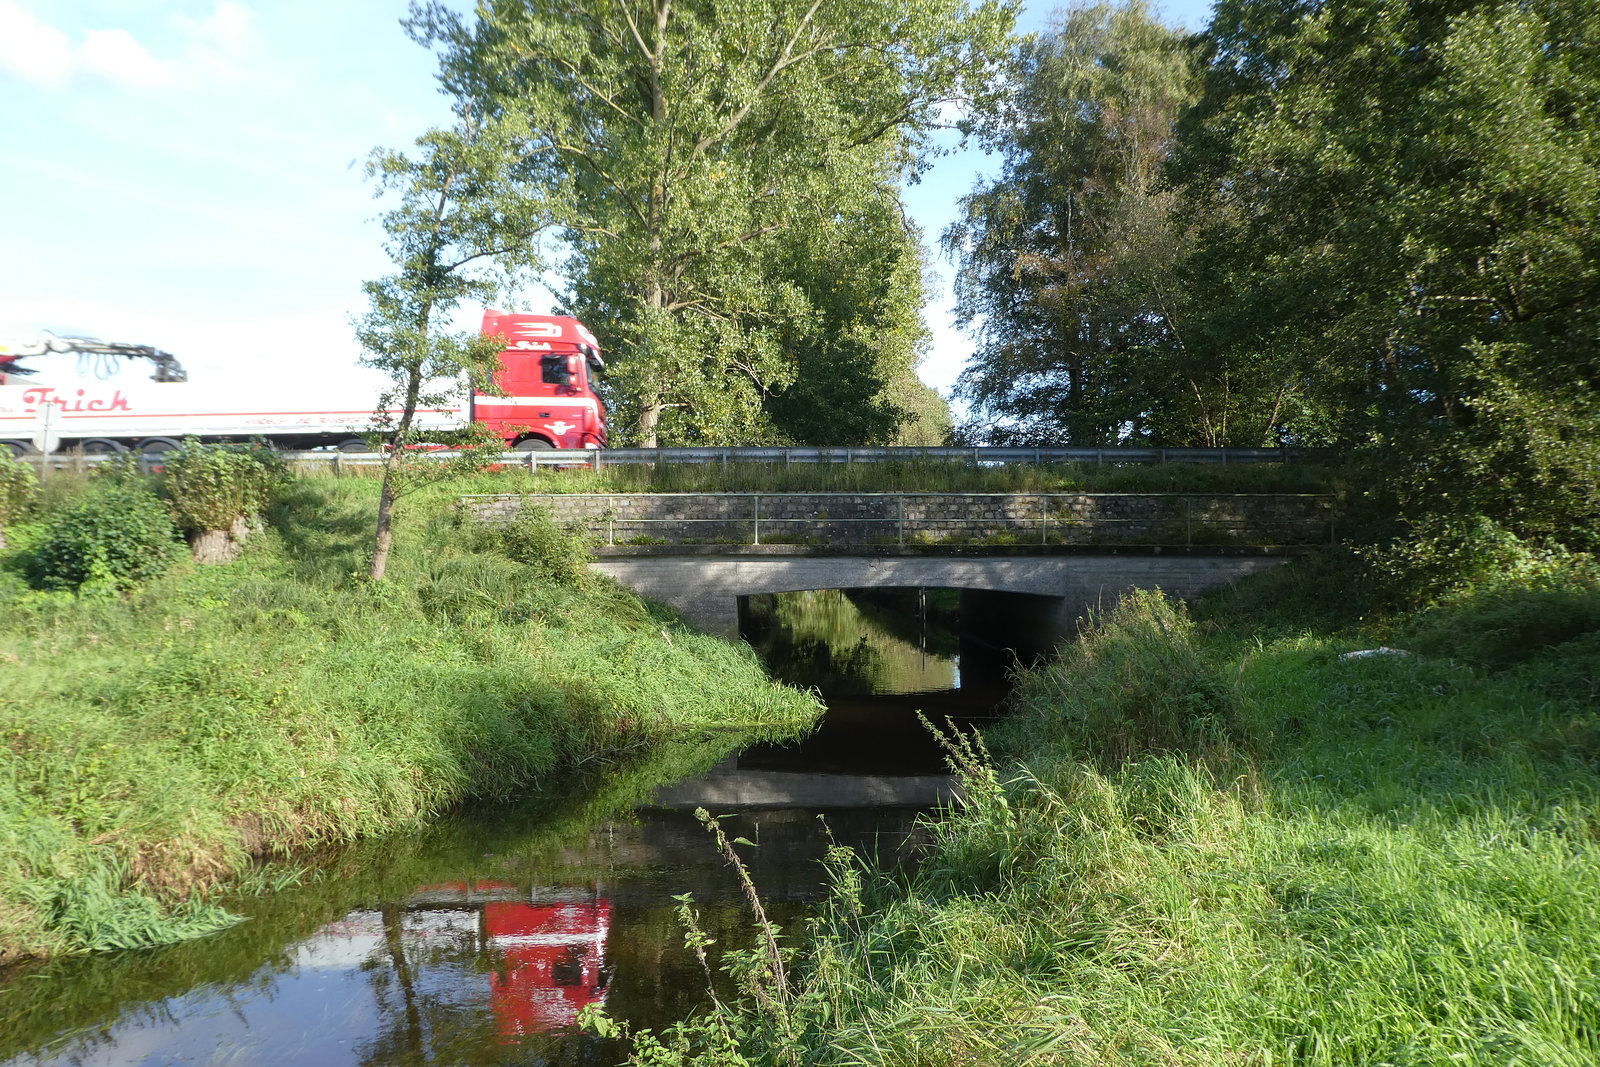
(1065,553)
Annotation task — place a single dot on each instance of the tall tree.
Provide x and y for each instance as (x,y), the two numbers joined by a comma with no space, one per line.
(688,138)
(855,355)
(1405,212)
(466,222)
(1065,258)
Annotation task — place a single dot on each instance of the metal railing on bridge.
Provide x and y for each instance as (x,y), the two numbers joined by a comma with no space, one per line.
(535,459)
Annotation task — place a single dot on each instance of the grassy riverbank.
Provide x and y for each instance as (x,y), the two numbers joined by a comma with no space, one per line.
(155,742)
(1229,841)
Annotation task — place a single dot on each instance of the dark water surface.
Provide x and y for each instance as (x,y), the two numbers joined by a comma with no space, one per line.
(479,940)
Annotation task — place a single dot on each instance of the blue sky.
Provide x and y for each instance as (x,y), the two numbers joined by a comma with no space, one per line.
(188,174)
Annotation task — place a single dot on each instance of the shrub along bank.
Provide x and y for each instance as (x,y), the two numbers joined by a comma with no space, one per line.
(153,742)
(1237,841)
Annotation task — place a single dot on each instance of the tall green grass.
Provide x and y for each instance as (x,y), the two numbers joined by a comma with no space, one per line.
(1216,845)
(151,745)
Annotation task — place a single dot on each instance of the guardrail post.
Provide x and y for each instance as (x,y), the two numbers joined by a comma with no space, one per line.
(757,522)
(611,520)
(1188,521)
(1044,519)
(900,502)
(338,464)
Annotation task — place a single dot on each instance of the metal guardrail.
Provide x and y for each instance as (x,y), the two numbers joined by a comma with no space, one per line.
(1213,530)
(596,459)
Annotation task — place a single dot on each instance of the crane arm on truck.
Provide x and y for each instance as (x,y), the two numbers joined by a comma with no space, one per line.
(168,369)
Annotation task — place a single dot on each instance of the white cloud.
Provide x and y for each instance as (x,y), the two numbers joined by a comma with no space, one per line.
(209,50)
(115,56)
(219,45)
(30,50)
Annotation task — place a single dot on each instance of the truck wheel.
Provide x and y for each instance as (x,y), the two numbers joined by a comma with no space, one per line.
(102,446)
(18,449)
(532,444)
(155,447)
(355,444)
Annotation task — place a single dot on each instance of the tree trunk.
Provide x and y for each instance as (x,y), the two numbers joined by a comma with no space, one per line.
(649,418)
(219,546)
(385,537)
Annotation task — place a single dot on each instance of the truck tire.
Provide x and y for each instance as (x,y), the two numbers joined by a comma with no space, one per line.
(158,446)
(532,444)
(355,444)
(18,449)
(102,446)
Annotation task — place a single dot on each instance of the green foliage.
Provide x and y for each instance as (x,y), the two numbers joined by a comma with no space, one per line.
(1446,554)
(114,539)
(855,380)
(19,487)
(1405,871)
(282,704)
(1397,207)
(1068,259)
(1513,618)
(1137,681)
(212,486)
(1373,225)
(97,912)
(709,166)
(465,227)
(557,552)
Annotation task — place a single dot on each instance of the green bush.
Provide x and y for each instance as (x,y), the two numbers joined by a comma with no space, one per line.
(115,539)
(1137,682)
(213,486)
(559,552)
(1508,622)
(1445,554)
(18,489)
(18,486)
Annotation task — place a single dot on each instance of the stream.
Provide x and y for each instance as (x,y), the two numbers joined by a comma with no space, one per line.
(479,939)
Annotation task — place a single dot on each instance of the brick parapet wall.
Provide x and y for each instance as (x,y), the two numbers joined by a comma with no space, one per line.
(843,519)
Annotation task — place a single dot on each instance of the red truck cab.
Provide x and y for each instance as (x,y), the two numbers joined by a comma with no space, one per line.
(546,371)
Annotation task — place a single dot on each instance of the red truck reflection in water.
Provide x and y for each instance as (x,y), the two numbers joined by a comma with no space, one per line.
(548,963)
(547,960)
